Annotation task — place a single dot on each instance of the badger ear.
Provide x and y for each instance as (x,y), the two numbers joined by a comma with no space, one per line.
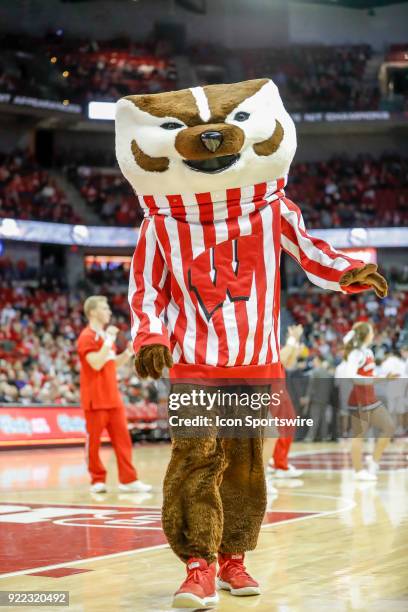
(270,145)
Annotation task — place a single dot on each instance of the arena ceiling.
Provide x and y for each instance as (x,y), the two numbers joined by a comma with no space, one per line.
(356,4)
(200,6)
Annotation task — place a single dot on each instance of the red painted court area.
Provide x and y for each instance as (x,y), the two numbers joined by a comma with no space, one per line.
(42,536)
(338,460)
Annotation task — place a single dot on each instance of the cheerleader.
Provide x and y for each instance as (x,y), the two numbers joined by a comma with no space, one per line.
(366,409)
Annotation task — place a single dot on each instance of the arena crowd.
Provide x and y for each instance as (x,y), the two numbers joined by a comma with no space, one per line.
(27,191)
(79,70)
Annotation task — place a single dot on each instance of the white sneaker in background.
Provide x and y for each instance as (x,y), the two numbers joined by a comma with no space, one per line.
(98,487)
(295,471)
(372,466)
(291,472)
(364,475)
(137,486)
(134,498)
(270,468)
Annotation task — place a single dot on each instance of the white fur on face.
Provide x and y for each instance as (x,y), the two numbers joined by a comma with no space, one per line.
(264,107)
(202,103)
(135,124)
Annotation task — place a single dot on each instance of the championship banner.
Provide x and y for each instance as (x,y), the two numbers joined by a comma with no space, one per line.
(32,425)
(38,103)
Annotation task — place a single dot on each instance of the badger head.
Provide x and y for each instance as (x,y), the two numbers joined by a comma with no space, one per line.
(204,138)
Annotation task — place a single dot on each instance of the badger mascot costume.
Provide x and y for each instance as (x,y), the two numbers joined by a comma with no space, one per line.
(209,166)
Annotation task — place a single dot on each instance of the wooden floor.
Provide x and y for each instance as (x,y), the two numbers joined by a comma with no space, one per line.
(328,543)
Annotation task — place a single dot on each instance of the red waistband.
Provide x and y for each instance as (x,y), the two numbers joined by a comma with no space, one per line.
(212,374)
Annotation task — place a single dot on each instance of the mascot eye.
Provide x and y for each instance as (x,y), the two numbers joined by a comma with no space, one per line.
(241,116)
(171,125)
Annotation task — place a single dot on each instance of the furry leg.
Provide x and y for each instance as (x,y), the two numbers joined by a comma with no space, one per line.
(192,509)
(243,493)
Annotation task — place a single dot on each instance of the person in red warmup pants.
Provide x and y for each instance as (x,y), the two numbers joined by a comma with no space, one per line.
(278,466)
(100,397)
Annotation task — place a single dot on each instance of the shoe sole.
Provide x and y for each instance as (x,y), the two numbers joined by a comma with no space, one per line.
(134,490)
(189,600)
(243,592)
(284,476)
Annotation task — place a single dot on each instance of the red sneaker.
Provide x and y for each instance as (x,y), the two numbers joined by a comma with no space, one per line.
(198,589)
(232,576)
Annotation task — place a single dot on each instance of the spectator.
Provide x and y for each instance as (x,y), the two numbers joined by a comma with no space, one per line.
(317,399)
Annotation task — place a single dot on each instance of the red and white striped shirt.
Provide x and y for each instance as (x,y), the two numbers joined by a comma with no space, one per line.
(205,277)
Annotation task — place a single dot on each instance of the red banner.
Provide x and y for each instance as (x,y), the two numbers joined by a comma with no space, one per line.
(34,425)
(29,425)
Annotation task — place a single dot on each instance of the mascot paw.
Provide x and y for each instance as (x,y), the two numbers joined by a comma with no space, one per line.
(151,360)
(366,276)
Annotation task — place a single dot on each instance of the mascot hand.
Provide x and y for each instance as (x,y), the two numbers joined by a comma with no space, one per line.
(152,359)
(367,276)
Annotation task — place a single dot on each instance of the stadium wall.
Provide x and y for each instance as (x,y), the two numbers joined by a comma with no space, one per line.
(313,147)
(14,132)
(66,140)
(225,23)
(16,251)
(318,24)
(232,23)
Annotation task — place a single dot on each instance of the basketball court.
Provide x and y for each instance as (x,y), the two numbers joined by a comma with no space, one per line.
(327,542)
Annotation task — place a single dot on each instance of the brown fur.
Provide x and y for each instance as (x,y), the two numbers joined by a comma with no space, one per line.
(151,164)
(178,104)
(269,146)
(222,99)
(189,145)
(214,495)
(367,275)
(151,360)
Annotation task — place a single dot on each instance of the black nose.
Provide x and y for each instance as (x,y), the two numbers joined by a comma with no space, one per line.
(211,140)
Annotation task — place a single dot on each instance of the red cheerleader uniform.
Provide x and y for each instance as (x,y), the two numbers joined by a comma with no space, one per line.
(361,365)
